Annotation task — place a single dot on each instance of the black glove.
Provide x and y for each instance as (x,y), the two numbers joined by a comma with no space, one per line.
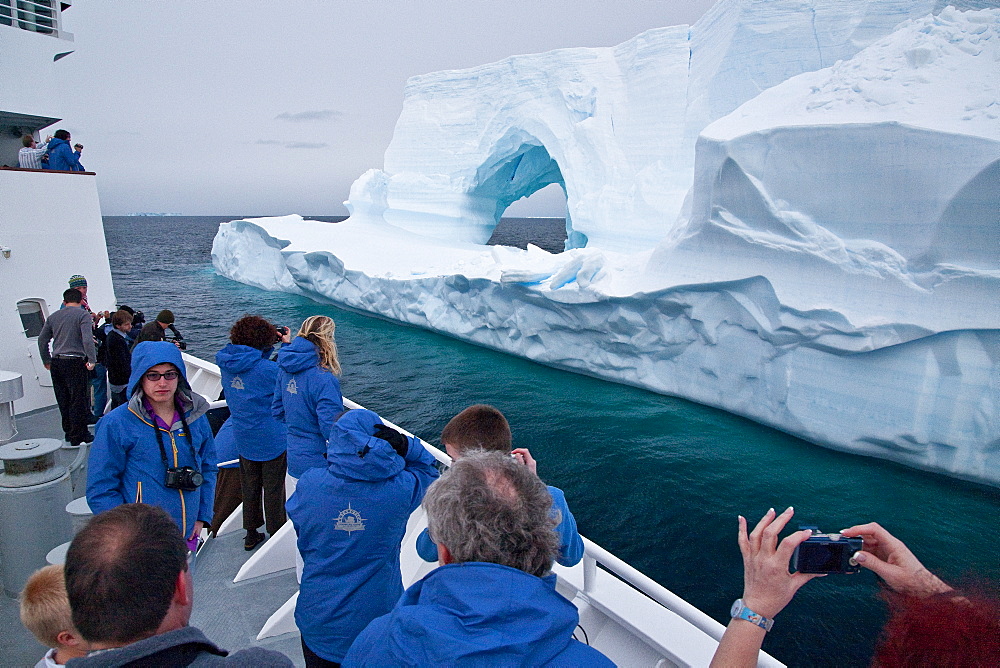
(399,443)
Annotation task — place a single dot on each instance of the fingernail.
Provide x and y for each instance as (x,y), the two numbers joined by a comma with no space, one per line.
(860,557)
(770,510)
(739,517)
(790,509)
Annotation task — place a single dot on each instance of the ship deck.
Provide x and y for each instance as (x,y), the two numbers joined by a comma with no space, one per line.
(229,614)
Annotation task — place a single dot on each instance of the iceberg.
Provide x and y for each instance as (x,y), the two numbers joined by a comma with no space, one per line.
(789,210)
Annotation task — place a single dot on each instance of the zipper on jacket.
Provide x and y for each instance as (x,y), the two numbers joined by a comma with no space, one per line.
(184,523)
(138,491)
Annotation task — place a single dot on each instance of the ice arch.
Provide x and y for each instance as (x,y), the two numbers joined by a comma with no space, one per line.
(510,175)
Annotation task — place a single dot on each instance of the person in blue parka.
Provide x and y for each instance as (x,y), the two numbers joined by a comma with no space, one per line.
(482,427)
(307,395)
(493,602)
(61,156)
(249,378)
(162,428)
(350,518)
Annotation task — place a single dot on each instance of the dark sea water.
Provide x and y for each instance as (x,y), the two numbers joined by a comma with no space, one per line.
(657,480)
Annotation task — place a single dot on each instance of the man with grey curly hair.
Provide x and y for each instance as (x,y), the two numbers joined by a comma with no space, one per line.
(493,601)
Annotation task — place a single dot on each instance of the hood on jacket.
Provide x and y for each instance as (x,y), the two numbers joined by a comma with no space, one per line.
(353,452)
(237,359)
(54,142)
(299,355)
(148,354)
(525,616)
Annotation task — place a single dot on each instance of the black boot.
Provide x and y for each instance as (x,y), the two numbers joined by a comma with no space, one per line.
(253,539)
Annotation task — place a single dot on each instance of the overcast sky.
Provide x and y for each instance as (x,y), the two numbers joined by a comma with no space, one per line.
(250,107)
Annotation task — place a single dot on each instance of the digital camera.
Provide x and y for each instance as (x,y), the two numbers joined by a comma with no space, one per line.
(183,478)
(827,553)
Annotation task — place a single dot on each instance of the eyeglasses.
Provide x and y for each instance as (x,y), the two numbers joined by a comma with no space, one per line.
(153,376)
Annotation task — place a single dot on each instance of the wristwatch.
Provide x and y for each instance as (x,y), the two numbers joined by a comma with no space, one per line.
(740,611)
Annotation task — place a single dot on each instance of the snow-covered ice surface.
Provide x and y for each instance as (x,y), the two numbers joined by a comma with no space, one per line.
(790,210)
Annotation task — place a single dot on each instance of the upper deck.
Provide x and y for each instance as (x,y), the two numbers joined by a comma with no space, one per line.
(32,40)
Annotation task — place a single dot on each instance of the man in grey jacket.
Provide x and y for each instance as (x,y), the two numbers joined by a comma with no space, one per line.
(71,330)
(131,595)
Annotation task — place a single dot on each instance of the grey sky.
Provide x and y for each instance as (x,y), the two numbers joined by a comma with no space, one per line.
(245,108)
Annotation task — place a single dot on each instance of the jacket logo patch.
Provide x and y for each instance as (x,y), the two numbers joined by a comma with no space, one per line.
(349,520)
(237,383)
(292,388)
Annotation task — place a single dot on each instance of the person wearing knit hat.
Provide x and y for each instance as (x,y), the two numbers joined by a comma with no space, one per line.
(157,330)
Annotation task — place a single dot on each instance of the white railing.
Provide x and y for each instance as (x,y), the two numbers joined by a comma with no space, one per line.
(41,16)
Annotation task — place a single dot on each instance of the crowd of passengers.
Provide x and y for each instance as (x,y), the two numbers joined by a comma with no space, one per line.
(157,477)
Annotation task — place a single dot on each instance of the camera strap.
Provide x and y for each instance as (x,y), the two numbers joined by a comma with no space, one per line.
(163,451)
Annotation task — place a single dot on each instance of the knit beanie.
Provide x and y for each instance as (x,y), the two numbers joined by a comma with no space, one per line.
(77,281)
(166,317)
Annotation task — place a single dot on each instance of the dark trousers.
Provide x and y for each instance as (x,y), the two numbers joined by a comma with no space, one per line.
(69,382)
(228,495)
(117,399)
(314,660)
(267,477)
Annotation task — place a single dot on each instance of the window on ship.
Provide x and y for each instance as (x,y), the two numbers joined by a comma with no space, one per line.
(32,312)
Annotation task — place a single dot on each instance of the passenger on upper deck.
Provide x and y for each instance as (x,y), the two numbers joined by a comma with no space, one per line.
(484,427)
(31,156)
(494,601)
(307,396)
(61,156)
(350,518)
(157,448)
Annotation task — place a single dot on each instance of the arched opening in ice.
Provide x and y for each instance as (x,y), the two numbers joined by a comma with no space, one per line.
(518,167)
(538,219)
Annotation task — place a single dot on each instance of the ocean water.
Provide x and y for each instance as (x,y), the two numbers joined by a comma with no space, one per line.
(657,480)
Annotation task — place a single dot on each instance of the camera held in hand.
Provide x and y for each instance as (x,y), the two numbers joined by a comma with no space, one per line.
(827,553)
(183,478)
(180,343)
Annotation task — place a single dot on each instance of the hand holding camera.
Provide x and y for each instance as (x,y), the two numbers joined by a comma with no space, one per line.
(890,559)
(768,586)
(284,334)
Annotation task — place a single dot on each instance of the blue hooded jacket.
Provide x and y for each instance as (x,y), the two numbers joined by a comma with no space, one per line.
(307,400)
(476,614)
(225,446)
(125,463)
(350,518)
(249,379)
(570,543)
(63,157)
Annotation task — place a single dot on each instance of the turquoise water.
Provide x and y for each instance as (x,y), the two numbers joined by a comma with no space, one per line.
(655,479)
